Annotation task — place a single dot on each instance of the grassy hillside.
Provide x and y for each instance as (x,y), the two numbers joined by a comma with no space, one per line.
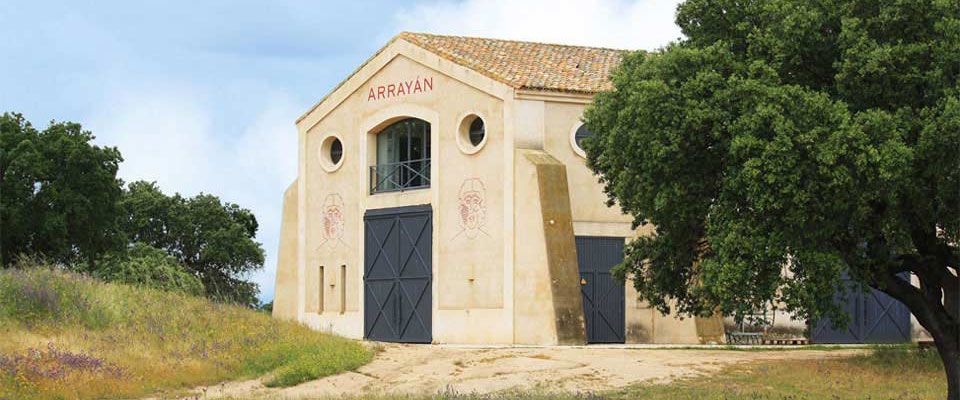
(69,336)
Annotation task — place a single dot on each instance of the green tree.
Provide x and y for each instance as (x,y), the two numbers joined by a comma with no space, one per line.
(58,192)
(821,136)
(212,239)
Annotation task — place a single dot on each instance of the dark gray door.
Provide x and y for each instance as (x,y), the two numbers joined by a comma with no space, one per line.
(603,296)
(397,274)
(874,318)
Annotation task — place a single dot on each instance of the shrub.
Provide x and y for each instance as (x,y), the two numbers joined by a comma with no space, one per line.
(144,265)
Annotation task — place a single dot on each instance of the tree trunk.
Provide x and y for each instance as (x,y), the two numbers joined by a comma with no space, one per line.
(932,315)
(950,355)
(948,347)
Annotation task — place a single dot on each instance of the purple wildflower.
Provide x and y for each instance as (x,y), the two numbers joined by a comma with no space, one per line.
(53,363)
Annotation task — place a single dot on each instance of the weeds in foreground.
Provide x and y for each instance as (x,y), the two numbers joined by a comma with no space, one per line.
(68,336)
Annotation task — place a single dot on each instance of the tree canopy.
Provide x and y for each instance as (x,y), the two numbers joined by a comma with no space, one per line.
(782,144)
(58,192)
(60,199)
(213,240)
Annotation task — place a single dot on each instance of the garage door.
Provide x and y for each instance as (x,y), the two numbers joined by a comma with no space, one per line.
(603,296)
(397,274)
(874,318)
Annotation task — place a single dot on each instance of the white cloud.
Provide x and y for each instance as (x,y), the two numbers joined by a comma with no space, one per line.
(264,163)
(169,134)
(641,24)
(163,134)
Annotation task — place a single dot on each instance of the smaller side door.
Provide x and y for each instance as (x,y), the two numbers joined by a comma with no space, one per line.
(603,297)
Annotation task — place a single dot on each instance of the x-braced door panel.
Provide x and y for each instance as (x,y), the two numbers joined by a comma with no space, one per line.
(397,274)
(603,296)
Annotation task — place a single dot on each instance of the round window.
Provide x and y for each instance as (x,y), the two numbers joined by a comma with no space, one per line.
(331,153)
(472,135)
(579,133)
(582,133)
(476,131)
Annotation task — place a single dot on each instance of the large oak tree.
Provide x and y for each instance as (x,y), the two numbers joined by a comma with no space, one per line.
(58,192)
(822,136)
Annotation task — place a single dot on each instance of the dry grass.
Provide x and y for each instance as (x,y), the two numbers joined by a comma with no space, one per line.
(886,373)
(67,336)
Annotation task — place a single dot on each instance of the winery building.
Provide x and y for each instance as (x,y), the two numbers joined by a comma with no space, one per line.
(443,197)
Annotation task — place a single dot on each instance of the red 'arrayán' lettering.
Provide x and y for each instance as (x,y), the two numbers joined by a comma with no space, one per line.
(401,88)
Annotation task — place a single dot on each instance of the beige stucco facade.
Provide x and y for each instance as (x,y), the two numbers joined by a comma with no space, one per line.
(510,275)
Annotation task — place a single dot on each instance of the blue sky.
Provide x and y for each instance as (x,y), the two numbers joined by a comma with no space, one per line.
(201,96)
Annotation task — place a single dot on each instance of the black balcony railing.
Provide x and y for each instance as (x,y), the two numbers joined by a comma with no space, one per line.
(399,176)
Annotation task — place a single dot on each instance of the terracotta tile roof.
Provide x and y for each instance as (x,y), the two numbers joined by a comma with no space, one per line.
(526,65)
(521,65)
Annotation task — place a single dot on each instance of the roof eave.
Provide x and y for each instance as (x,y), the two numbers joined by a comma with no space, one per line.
(566,96)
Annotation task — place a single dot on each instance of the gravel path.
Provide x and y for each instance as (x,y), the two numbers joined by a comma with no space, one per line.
(424,369)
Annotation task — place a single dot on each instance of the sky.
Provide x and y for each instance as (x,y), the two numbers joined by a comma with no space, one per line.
(202,96)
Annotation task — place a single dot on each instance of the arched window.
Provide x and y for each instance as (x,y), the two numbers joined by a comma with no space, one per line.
(403,157)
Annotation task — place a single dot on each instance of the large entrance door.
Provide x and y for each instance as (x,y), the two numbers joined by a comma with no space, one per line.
(397,274)
(603,297)
(874,318)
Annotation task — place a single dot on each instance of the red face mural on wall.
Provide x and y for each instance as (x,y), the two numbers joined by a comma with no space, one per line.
(472,208)
(332,220)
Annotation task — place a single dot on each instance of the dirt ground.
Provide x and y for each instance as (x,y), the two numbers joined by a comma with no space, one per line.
(426,369)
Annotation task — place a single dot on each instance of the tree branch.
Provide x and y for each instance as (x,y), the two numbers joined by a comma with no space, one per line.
(931,315)
(937,284)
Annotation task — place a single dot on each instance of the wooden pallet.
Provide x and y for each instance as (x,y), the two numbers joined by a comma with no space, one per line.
(786,342)
(744,338)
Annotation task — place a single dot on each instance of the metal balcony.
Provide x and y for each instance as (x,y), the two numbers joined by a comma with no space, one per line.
(400,176)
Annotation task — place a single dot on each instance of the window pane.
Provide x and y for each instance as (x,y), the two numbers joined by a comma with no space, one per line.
(336,151)
(402,151)
(477,131)
(582,133)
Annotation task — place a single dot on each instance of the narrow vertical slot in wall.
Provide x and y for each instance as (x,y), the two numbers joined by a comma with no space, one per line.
(343,289)
(320,295)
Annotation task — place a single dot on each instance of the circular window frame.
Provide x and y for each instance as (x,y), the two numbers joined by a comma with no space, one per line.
(463,133)
(324,153)
(573,140)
